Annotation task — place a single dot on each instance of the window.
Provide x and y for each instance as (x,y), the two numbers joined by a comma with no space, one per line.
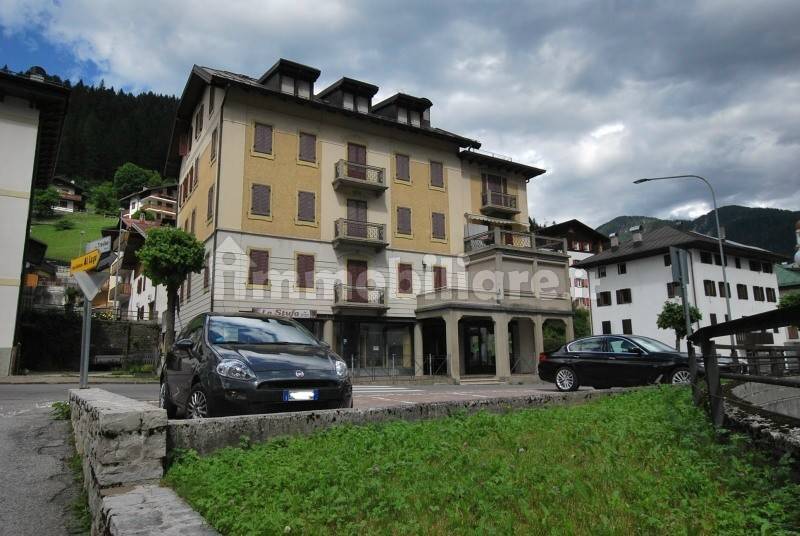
(437,226)
(627,327)
(260,200)
(347,101)
(621,346)
(741,291)
(722,289)
(248,330)
(304,89)
(601,271)
(206,268)
(308,147)
(667,260)
(709,288)
(622,268)
(403,220)
(437,175)
(262,139)
(404,279)
(606,327)
(673,289)
(198,121)
(414,117)
(439,277)
(766,268)
(755,266)
(305,270)
(758,293)
(214,145)
(210,206)
(211,100)
(587,345)
(792,332)
(258,273)
(191,227)
(402,171)
(624,296)
(287,84)
(402,114)
(705,257)
(771,294)
(737,262)
(604,298)
(717,259)
(305,206)
(196,174)
(713,318)
(362,104)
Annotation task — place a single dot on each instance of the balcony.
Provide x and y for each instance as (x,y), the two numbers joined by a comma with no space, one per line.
(360,177)
(359,299)
(122,291)
(513,240)
(498,203)
(359,233)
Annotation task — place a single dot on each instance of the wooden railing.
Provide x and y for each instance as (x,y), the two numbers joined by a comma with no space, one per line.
(358,294)
(362,172)
(360,230)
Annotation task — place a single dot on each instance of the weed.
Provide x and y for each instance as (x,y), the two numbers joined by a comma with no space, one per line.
(60,410)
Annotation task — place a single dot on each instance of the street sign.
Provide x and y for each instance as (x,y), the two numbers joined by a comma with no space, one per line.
(103,245)
(90,283)
(678,260)
(84,262)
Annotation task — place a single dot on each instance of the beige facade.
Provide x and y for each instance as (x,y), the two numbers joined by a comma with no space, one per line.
(303,177)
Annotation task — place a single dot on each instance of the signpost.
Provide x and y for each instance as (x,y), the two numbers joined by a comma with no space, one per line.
(85,262)
(103,245)
(680,274)
(90,283)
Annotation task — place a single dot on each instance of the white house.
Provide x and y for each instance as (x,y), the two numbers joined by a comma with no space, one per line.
(631,281)
(70,196)
(159,201)
(31,117)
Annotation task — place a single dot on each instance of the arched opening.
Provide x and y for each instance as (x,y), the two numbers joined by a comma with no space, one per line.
(554,334)
(522,348)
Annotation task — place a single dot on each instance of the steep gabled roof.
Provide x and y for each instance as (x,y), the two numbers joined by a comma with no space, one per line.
(562,230)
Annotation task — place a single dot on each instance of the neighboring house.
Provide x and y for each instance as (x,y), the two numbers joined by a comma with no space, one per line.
(159,201)
(71,198)
(32,113)
(789,281)
(631,281)
(393,240)
(582,243)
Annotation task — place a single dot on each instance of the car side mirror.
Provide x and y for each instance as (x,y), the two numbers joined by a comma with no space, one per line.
(183,345)
(635,351)
(325,344)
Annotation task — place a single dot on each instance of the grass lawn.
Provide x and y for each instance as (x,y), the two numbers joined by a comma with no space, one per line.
(640,463)
(66,244)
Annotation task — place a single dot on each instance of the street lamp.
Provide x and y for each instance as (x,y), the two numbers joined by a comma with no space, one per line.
(719,238)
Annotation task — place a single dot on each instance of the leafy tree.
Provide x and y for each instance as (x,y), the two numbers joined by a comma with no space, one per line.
(168,256)
(581,323)
(104,198)
(792,299)
(671,317)
(130,178)
(44,200)
(148,216)
(553,335)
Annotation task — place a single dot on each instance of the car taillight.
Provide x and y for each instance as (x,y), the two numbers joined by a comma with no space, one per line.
(542,357)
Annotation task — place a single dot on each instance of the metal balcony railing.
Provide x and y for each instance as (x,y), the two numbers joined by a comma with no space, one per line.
(359,230)
(369,175)
(501,237)
(499,200)
(359,295)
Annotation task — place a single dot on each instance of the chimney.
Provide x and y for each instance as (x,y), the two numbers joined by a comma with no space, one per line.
(614,241)
(636,232)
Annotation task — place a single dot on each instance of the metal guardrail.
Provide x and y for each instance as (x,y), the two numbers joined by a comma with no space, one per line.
(499,200)
(360,230)
(355,171)
(502,237)
(357,295)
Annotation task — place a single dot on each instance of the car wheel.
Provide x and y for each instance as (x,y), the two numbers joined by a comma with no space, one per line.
(165,400)
(566,379)
(680,376)
(198,406)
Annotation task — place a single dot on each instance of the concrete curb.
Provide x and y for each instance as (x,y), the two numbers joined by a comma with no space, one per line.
(67,380)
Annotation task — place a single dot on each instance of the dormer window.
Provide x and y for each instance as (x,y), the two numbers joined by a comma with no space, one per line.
(426,116)
(402,114)
(362,104)
(414,115)
(304,89)
(347,101)
(287,85)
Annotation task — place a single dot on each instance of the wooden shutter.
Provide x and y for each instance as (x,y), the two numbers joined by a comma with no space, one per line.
(210,100)
(437,225)
(305,271)
(305,206)
(402,165)
(259,267)
(437,175)
(210,208)
(439,277)
(404,280)
(206,269)
(214,145)
(262,142)
(188,287)
(183,145)
(403,220)
(260,200)
(308,147)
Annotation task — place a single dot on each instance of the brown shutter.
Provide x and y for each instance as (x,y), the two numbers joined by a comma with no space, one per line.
(404,281)
(196,173)
(183,145)
(214,145)
(210,209)
(305,206)
(305,271)
(403,220)
(260,200)
(439,277)
(206,268)
(188,287)
(437,225)
(259,267)
(210,100)
(437,175)
(263,139)
(308,147)
(402,165)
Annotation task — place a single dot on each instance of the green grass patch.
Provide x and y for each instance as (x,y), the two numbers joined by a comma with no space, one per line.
(64,244)
(60,410)
(646,462)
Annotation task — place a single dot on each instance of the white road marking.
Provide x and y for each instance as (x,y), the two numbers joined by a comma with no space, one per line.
(389,399)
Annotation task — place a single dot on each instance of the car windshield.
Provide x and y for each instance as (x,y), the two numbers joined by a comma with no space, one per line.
(250,330)
(651,345)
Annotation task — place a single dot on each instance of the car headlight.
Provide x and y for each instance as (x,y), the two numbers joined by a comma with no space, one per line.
(341,368)
(235,369)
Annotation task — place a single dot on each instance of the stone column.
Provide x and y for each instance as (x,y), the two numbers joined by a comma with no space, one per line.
(418,358)
(569,328)
(327,332)
(453,350)
(538,338)
(501,354)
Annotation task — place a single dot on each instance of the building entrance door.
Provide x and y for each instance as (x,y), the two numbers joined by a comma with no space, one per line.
(478,343)
(357,281)
(357,218)
(356,159)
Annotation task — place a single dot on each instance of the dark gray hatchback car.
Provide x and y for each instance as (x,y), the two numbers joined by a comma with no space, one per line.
(234,364)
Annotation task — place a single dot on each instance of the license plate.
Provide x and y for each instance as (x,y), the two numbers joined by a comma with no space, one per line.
(300,395)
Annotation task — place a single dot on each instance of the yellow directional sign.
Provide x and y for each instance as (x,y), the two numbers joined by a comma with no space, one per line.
(85,262)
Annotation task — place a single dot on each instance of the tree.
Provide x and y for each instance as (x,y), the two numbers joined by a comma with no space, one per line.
(104,198)
(581,323)
(671,317)
(792,299)
(44,200)
(130,178)
(554,335)
(168,256)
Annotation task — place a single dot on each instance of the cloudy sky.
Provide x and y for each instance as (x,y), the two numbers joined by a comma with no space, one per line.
(596,92)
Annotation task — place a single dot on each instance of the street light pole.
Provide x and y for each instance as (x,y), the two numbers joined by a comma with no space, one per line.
(719,239)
